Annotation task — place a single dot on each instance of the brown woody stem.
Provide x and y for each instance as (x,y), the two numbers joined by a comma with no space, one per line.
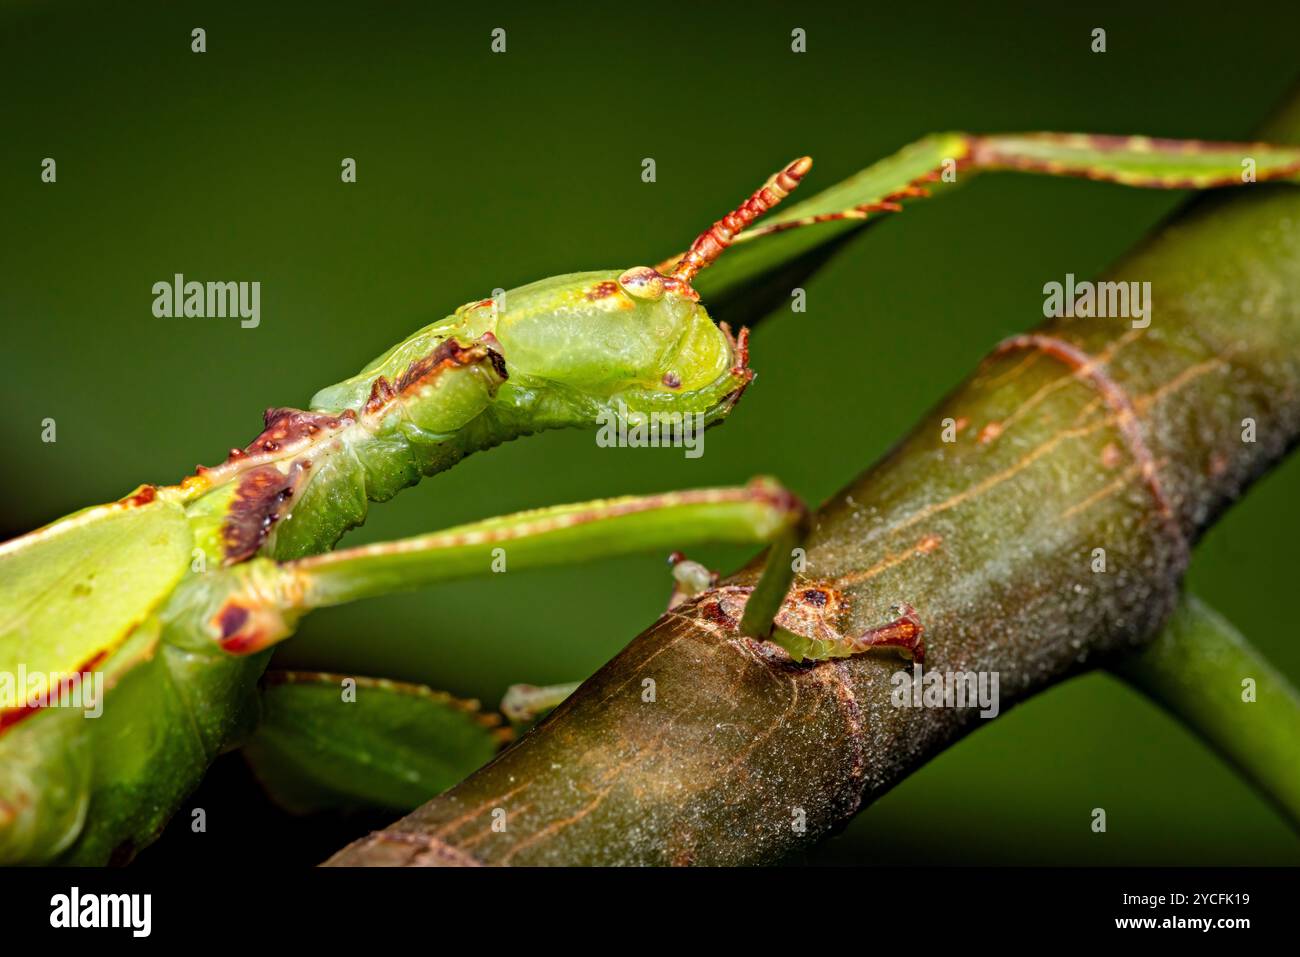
(1088,441)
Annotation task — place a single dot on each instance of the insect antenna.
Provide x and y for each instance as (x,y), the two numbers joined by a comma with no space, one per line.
(711,243)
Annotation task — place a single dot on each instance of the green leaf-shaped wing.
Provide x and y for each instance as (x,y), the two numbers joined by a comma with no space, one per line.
(325,743)
(72,591)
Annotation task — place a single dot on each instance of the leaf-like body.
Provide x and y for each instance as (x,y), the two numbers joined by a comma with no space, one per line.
(324,745)
(72,591)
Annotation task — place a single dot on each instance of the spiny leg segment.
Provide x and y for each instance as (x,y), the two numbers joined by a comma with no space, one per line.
(918,170)
(262,600)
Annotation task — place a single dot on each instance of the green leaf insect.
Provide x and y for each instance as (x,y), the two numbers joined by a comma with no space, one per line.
(133,634)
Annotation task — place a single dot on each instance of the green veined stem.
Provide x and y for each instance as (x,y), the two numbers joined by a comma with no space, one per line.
(1197,668)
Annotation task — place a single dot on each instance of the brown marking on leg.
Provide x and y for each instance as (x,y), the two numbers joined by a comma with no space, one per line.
(890,203)
(987,155)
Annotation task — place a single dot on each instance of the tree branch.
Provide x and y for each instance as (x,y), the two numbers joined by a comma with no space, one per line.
(1207,675)
(697,745)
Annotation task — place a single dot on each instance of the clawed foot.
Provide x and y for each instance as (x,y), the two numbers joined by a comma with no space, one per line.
(689,579)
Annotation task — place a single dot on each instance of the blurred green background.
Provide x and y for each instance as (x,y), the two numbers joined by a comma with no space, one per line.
(478,170)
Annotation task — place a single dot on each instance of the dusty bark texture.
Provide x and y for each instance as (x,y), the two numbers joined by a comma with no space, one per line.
(1085,434)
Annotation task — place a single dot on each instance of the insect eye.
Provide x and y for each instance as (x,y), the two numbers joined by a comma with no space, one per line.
(642,282)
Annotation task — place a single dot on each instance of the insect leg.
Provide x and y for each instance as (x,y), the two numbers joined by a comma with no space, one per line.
(932,164)
(1142,161)
(904,635)
(689,579)
(260,609)
(524,704)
